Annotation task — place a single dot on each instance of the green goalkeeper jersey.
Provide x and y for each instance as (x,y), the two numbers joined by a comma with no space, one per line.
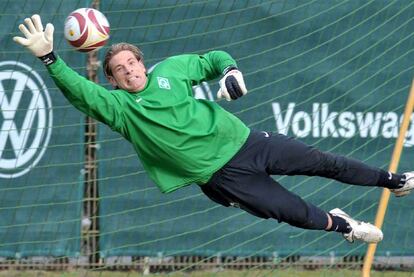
(179,139)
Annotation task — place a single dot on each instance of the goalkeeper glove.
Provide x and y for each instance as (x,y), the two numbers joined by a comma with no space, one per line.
(37,40)
(232,84)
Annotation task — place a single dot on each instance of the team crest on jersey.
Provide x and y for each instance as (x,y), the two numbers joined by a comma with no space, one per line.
(163,83)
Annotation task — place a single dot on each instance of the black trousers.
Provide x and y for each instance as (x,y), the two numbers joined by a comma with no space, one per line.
(244,181)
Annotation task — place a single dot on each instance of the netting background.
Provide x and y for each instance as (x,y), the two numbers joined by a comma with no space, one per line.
(354,58)
(41,183)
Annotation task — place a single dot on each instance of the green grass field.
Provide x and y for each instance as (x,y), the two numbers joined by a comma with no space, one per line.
(248,273)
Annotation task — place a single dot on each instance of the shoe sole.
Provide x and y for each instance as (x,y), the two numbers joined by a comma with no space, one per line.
(402,193)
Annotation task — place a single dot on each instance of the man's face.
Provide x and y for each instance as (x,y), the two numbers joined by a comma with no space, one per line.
(128,73)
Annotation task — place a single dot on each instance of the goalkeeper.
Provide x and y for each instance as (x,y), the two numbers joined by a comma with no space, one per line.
(181,140)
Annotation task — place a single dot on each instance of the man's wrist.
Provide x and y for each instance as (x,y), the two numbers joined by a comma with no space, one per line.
(229,68)
(48,59)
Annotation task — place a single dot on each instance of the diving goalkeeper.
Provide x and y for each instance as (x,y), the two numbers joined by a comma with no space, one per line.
(181,140)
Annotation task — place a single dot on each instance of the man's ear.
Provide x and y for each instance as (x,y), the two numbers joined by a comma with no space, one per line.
(113,82)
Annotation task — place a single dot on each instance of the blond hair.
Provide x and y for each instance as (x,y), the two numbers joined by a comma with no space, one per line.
(115,49)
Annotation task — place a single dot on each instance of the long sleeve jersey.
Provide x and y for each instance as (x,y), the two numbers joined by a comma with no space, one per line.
(179,139)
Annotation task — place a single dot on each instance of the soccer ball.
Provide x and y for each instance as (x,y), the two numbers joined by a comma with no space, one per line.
(86,29)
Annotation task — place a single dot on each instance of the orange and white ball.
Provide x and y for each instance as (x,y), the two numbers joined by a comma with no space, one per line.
(86,29)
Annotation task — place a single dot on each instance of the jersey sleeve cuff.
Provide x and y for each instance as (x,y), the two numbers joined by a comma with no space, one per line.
(229,68)
(48,59)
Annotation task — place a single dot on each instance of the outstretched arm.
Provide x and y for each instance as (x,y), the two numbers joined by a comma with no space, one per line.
(90,98)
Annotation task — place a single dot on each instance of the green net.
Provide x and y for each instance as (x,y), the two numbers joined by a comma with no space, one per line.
(41,142)
(334,74)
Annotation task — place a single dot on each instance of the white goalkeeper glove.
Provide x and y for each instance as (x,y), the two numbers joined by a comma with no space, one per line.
(37,40)
(231,85)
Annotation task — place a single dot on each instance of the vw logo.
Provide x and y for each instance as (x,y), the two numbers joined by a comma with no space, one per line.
(25,119)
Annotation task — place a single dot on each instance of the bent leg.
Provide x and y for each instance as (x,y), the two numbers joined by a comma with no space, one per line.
(262,196)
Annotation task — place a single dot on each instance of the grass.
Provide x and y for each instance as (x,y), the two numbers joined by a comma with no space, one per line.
(227,273)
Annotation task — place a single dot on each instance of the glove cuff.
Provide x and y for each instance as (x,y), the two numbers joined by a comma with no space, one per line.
(48,59)
(229,68)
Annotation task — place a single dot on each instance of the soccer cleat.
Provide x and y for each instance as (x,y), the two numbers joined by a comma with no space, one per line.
(363,231)
(407,187)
